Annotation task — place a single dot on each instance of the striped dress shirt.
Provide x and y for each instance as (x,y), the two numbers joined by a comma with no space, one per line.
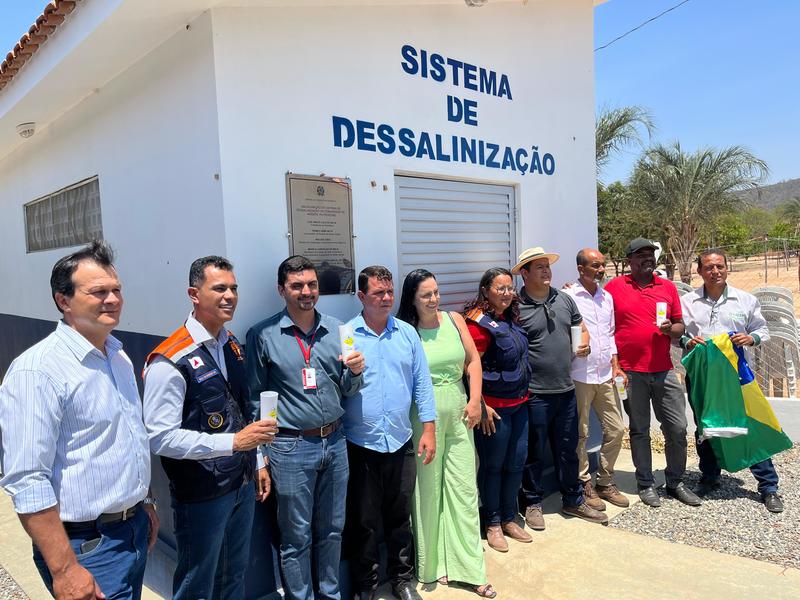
(72,430)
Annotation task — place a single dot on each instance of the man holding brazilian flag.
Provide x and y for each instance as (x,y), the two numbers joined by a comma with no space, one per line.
(736,427)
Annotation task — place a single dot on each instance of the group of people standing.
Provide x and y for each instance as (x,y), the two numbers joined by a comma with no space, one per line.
(380,442)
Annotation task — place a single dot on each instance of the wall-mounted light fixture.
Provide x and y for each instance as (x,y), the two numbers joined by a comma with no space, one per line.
(26,130)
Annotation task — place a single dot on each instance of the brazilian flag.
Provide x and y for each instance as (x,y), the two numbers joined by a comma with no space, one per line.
(732,412)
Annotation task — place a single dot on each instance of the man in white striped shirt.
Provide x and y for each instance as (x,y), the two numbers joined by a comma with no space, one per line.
(75,457)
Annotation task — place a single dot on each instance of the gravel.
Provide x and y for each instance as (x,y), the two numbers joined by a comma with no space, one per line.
(9,590)
(732,519)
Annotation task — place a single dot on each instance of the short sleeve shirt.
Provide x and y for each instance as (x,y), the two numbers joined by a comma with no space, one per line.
(549,342)
(641,346)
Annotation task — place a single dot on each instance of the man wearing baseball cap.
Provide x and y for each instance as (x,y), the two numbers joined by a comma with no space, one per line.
(547,315)
(643,349)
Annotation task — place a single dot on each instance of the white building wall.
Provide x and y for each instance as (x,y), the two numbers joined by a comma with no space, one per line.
(248,93)
(282,73)
(151,136)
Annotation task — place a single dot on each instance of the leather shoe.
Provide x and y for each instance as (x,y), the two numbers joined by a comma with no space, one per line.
(405,591)
(496,539)
(704,488)
(585,512)
(534,518)
(772,502)
(612,494)
(515,532)
(649,496)
(684,494)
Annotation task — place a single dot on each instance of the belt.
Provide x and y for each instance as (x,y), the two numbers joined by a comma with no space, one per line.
(323,431)
(104,519)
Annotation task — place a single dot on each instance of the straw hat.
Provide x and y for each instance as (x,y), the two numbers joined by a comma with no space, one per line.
(533,254)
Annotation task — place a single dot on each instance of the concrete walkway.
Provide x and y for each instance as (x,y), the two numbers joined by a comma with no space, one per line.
(570,560)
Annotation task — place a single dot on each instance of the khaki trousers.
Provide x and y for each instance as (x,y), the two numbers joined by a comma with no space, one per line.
(600,397)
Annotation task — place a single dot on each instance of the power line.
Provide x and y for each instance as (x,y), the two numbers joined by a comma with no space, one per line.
(658,16)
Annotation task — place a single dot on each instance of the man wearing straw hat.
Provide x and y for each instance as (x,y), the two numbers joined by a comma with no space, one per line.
(547,315)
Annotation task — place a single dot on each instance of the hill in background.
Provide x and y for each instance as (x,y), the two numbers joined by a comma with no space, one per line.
(772,196)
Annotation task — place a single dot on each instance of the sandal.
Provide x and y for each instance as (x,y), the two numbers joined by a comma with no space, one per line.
(485,591)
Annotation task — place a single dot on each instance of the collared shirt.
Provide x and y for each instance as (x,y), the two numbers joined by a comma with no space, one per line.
(597,311)
(72,431)
(275,362)
(378,416)
(641,347)
(164,393)
(735,310)
(549,340)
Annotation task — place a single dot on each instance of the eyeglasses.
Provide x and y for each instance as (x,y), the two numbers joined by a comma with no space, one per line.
(503,290)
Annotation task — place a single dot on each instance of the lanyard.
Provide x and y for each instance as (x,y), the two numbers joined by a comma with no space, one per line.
(306,351)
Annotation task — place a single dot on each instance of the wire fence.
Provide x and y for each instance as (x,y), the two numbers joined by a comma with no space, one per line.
(774,277)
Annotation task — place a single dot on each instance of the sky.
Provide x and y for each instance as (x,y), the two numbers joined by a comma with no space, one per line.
(711,72)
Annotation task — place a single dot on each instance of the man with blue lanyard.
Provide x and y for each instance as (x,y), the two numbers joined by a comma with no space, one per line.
(296,353)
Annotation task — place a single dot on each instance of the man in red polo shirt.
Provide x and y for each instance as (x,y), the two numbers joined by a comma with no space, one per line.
(643,348)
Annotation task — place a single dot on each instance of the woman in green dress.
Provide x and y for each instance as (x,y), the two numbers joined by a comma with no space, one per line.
(444,512)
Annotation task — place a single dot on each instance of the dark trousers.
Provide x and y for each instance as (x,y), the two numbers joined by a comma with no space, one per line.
(669,406)
(502,458)
(553,422)
(764,472)
(379,493)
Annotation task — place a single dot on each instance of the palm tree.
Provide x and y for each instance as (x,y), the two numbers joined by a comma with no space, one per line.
(618,127)
(686,191)
(790,211)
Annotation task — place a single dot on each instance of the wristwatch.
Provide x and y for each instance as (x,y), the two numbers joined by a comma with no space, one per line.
(150,500)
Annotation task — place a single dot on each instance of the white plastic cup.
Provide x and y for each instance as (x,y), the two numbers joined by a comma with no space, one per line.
(269,405)
(661,312)
(347,340)
(619,383)
(575,334)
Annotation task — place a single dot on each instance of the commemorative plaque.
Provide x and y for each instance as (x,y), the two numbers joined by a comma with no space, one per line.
(321,228)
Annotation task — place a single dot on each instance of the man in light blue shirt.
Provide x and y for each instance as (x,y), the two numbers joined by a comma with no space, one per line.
(75,457)
(377,425)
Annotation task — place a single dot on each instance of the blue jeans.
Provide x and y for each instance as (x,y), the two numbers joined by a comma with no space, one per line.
(213,539)
(502,458)
(309,477)
(553,422)
(764,472)
(116,563)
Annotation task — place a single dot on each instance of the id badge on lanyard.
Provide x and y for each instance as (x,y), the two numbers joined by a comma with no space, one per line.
(308,374)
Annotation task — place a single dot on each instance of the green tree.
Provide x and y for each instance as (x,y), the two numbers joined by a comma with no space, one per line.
(616,128)
(684,192)
(731,233)
(790,212)
(620,218)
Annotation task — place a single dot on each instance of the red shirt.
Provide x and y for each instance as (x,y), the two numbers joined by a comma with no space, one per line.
(641,346)
(482,340)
